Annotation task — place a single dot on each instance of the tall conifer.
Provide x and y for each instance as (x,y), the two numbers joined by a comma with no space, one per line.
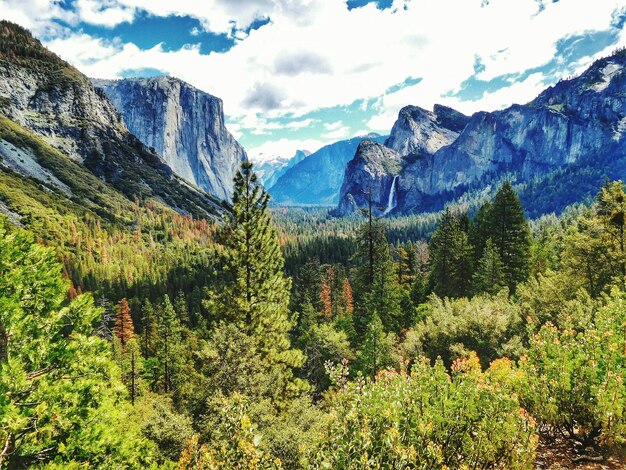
(255,294)
(510,233)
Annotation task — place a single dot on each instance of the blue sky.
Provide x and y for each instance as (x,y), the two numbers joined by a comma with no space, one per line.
(297,74)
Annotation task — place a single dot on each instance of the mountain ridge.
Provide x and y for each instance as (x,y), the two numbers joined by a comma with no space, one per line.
(569,130)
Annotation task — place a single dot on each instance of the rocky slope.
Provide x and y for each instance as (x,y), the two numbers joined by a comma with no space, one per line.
(269,171)
(45,95)
(557,149)
(420,131)
(184,125)
(373,174)
(317,179)
(416,133)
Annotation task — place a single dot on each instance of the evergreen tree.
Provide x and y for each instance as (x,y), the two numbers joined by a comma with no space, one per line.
(62,402)
(480,230)
(510,234)
(123,329)
(377,351)
(611,210)
(489,276)
(169,342)
(255,294)
(181,309)
(450,272)
(149,329)
(375,282)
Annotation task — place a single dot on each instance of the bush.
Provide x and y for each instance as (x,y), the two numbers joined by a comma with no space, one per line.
(428,419)
(574,382)
(488,325)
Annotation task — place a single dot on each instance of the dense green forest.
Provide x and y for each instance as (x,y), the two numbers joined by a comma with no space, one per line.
(136,337)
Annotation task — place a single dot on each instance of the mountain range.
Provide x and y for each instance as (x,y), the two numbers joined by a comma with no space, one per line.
(557,149)
(271,169)
(182,124)
(160,138)
(62,138)
(316,180)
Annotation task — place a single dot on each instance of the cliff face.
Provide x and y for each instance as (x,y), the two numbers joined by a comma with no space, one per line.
(417,133)
(317,179)
(573,129)
(420,131)
(371,173)
(47,96)
(184,125)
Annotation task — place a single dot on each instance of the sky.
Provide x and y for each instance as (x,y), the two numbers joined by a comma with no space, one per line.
(299,74)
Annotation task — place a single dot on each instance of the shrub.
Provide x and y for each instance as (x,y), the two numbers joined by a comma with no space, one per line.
(428,419)
(485,324)
(574,382)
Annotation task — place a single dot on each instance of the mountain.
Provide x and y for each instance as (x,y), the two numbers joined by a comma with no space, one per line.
(372,173)
(46,103)
(420,131)
(375,168)
(317,179)
(184,125)
(570,136)
(271,169)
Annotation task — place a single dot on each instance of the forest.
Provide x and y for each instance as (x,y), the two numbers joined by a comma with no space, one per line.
(136,337)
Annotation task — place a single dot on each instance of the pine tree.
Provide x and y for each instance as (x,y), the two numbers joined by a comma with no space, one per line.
(510,234)
(123,328)
(148,329)
(169,341)
(375,281)
(480,230)
(450,272)
(347,295)
(611,210)
(489,276)
(181,309)
(255,294)
(377,351)
(326,292)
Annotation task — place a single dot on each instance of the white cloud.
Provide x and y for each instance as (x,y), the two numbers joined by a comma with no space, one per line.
(337,134)
(106,13)
(344,55)
(333,126)
(281,148)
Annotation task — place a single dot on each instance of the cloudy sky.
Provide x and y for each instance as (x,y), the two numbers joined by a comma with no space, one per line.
(296,74)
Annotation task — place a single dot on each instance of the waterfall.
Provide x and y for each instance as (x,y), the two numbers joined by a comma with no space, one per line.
(392,202)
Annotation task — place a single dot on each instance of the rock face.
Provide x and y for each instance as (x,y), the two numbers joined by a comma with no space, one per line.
(184,125)
(420,131)
(317,179)
(372,173)
(417,133)
(269,171)
(47,96)
(557,148)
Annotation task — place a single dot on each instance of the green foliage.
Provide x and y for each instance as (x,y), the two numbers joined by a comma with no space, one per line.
(427,420)
(574,375)
(378,349)
(235,442)
(163,425)
(375,282)
(451,257)
(510,234)
(255,293)
(62,398)
(320,344)
(487,325)
(489,275)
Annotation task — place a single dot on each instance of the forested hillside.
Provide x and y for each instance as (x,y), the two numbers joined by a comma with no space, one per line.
(476,347)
